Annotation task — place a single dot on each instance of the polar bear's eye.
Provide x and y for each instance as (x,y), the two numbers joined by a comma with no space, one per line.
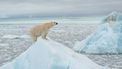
(55,23)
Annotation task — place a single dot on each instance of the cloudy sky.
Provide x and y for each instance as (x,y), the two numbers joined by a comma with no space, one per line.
(59,7)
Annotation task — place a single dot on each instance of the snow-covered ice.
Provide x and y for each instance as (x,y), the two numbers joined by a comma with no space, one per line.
(25,36)
(10,36)
(48,54)
(15,36)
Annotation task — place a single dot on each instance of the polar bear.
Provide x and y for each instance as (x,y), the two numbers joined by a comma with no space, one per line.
(41,30)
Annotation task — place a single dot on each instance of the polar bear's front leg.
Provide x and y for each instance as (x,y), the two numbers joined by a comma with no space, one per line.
(34,38)
(44,34)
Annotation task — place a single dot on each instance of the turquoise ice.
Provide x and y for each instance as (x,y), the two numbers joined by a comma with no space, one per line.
(119,30)
(48,54)
(106,39)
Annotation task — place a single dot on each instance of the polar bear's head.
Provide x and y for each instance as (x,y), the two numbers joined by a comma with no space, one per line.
(50,24)
(54,23)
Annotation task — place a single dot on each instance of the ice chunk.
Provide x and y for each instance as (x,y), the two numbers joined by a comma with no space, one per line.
(119,29)
(16,36)
(4,44)
(25,36)
(48,54)
(106,39)
(10,36)
(111,19)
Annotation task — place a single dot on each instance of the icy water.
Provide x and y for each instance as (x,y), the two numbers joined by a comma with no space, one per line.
(66,34)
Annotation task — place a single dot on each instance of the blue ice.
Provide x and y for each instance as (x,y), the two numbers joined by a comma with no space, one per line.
(106,39)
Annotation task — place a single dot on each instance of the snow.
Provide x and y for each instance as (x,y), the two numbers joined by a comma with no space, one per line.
(25,36)
(48,54)
(4,44)
(106,39)
(9,36)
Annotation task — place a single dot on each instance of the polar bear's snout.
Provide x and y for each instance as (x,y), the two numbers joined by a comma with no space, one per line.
(56,23)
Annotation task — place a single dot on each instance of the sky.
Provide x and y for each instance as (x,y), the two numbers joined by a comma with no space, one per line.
(59,7)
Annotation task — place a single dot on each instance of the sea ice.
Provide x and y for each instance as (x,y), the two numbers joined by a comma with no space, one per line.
(9,36)
(48,54)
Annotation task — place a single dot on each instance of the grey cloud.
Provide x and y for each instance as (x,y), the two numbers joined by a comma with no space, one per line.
(59,7)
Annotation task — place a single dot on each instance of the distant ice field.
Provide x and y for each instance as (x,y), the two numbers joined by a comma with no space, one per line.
(83,20)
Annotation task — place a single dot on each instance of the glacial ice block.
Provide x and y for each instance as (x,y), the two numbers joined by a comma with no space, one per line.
(106,39)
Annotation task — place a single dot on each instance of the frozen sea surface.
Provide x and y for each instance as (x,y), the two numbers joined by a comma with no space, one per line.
(66,34)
